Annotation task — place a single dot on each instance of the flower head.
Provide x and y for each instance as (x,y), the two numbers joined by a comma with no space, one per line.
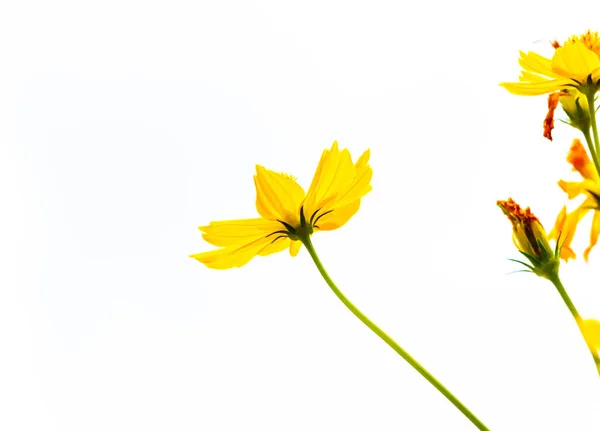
(287,213)
(575,65)
(530,239)
(566,223)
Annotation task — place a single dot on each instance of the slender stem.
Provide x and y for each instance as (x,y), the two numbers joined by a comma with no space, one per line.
(565,296)
(590,144)
(390,342)
(590,99)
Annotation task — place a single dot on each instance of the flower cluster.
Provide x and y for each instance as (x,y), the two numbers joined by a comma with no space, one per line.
(572,79)
(288,215)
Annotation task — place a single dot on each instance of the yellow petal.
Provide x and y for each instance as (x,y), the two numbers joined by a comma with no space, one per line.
(295,247)
(533,62)
(234,256)
(279,243)
(575,61)
(531,77)
(564,230)
(574,189)
(334,173)
(360,186)
(278,196)
(590,329)
(238,232)
(593,235)
(536,88)
(363,160)
(338,217)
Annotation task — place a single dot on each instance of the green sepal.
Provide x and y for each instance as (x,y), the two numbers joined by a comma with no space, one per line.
(523,263)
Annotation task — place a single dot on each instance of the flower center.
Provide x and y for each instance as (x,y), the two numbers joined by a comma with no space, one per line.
(590,40)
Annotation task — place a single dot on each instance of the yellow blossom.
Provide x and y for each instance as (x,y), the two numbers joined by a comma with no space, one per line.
(530,239)
(287,214)
(566,223)
(574,65)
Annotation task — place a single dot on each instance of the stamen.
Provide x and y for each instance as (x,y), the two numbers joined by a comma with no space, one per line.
(590,40)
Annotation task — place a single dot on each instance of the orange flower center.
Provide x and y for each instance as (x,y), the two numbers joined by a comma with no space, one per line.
(590,40)
(515,212)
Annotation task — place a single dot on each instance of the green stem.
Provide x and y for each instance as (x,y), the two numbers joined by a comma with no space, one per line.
(590,144)
(390,342)
(565,296)
(590,99)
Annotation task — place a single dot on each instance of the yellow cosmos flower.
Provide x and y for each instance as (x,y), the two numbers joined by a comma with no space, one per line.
(566,223)
(287,214)
(574,65)
(530,239)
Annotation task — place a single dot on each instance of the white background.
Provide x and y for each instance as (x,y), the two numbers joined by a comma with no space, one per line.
(125,125)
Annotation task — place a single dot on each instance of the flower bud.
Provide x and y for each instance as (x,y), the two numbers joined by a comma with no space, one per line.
(531,240)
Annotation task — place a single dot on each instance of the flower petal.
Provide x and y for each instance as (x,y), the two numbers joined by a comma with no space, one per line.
(234,256)
(278,196)
(564,230)
(295,247)
(575,61)
(338,217)
(533,62)
(580,161)
(277,244)
(334,174)
(549,120)
(235,232)
(360,185)
(574,189)
(536,88)
(593,234)
(590,329)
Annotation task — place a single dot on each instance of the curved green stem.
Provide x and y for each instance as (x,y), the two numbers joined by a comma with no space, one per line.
(565,296)
(591,147)
(592,110)
(390,342)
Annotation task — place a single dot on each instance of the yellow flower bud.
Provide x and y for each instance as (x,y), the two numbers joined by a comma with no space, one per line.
(531,240)
(576,107)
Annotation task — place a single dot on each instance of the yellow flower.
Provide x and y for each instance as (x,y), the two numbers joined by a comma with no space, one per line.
(287,213)
(566,223)
(574,65)
(530,239)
